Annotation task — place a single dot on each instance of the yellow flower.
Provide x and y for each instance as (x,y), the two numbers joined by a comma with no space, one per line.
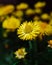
(29,12)
(11,23)
(6,9)
(48,30)
(43,26)
(38,11)
(39,4)
(22,6)
(50,22)
(50,43)
(2,18)
(20,53)
(51,14)
(18,13)
(28,31)
(45,16)
(36,18)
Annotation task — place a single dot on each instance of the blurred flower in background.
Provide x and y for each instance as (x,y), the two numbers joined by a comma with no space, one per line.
(22,6)
(4,10)
(11,23)
(39,4)
(50,43)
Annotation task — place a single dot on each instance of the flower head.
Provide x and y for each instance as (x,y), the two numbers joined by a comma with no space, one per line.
(45,16)
(38,11)
(39,4)
(48,30)
(36,18)
(18,13)
(11,23)
(29,12)
(22,6)
(4,10)
(43,26)
(20,53)
(50,43)
(28,31)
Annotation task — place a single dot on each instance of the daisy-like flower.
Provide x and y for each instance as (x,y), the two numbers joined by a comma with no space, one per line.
(48,30)
(39,4)
(4,10)
(28,31)
(22,6)
(36,18)
(11,23)
(20,53)
(43,26)
(45,16)
(18,13)
(29,12)
(38,11)
(50,43)
(50,22)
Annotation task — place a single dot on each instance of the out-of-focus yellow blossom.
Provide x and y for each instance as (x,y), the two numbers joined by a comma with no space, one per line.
(11,23)
(36,18)
(48,30)
(39,4)
(38,11)
(28,31)
(50,43)
(22,6)
(20,53)
(2,18)
(18,13)
(50,22)
(43,26)
(29,12)
(51,14)
(6,9)
(45,16)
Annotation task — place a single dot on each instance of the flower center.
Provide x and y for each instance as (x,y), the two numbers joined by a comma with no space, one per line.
(43,25)
(21,52)
(28,28)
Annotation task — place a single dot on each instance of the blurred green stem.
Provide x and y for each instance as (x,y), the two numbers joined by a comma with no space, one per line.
(30,45)
(33,49)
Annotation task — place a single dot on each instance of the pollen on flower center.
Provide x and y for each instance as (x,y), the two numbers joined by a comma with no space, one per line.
(28,28)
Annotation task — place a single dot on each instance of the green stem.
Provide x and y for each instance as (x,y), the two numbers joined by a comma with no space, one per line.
(30,45)
(33,48)
(34,44)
